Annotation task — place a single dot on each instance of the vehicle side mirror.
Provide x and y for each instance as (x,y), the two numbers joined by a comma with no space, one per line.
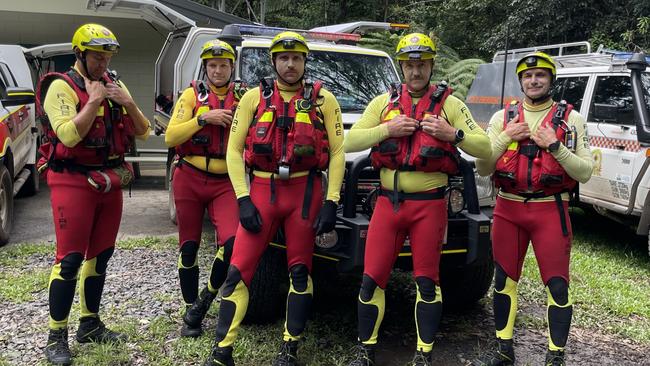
(638,64)
(18,96)
(605,112)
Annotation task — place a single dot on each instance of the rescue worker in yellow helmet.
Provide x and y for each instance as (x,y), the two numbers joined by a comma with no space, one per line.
(540,151)
(287,131)
(414,132)
(92,121)
(198,130)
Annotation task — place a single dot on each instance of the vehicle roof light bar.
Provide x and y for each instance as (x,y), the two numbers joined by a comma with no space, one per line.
(257,30)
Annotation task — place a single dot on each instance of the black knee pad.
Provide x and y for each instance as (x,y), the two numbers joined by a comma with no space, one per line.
(299,277)
(233,278)
(227,249)
(70,266)
(559,289)
(102,260)
(427,288)
(368,286)
(188,253)
(499,277)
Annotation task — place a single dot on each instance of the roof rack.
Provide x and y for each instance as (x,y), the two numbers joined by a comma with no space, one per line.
(569,55)
(264,31)
(560,49)
(360,27)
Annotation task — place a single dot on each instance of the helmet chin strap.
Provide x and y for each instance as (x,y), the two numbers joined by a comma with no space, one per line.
(81,56)
(538,100)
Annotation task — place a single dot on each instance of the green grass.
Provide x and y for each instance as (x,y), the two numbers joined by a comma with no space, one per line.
(610,279)
(17,255)
(20,287)
(149,242)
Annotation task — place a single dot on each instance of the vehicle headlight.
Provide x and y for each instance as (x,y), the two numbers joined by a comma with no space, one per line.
(484,187)
(327,240)
(455,200)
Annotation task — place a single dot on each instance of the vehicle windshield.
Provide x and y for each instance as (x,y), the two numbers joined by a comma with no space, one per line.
(355,79)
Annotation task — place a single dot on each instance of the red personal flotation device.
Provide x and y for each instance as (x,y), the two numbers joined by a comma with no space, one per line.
(419,151)
(287,136)
(525,169)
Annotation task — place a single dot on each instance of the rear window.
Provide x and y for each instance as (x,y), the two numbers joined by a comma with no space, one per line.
(355,79)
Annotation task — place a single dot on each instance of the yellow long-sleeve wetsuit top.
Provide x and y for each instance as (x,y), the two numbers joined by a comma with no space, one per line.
(60,105)
(244,116)
(578,165)
(183,125)
(369,131)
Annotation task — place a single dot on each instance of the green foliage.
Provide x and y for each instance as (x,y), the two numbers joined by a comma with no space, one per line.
(476,29)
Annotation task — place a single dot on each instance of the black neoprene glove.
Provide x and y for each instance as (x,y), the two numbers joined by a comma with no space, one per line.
(326,219)
(249,217)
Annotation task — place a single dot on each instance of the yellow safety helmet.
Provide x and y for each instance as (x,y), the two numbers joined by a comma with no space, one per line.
(537,60)
(217,49)
(415,46)
(288,42)
(95,37)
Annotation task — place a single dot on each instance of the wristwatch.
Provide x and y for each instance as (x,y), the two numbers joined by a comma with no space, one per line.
(460,136)
(554,146)
(201,121)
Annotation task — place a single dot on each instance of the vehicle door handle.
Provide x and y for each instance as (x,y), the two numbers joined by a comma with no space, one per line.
(620,147)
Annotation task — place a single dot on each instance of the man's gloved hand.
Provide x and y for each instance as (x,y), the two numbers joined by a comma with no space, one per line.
(326,219)
(249,217)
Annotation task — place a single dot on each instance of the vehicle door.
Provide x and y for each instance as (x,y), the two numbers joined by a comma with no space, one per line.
(612,137)
(16,127)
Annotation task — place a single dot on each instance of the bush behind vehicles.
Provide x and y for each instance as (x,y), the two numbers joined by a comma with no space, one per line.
(354,75)
(611,89)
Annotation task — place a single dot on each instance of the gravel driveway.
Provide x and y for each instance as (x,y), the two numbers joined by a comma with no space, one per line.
(134,275)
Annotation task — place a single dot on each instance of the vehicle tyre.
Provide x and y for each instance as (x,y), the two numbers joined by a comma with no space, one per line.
(268,289)
(464,286)
(6,204)
(32,184)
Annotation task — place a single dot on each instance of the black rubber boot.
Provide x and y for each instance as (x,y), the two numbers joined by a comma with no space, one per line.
(421,359)
(57,351)
(288,354)
(503,355)
(220,356)
(195,314)
(91,329)
(554,358)
(364,355)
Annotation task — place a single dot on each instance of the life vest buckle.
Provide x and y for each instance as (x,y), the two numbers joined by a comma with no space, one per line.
(283,172)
